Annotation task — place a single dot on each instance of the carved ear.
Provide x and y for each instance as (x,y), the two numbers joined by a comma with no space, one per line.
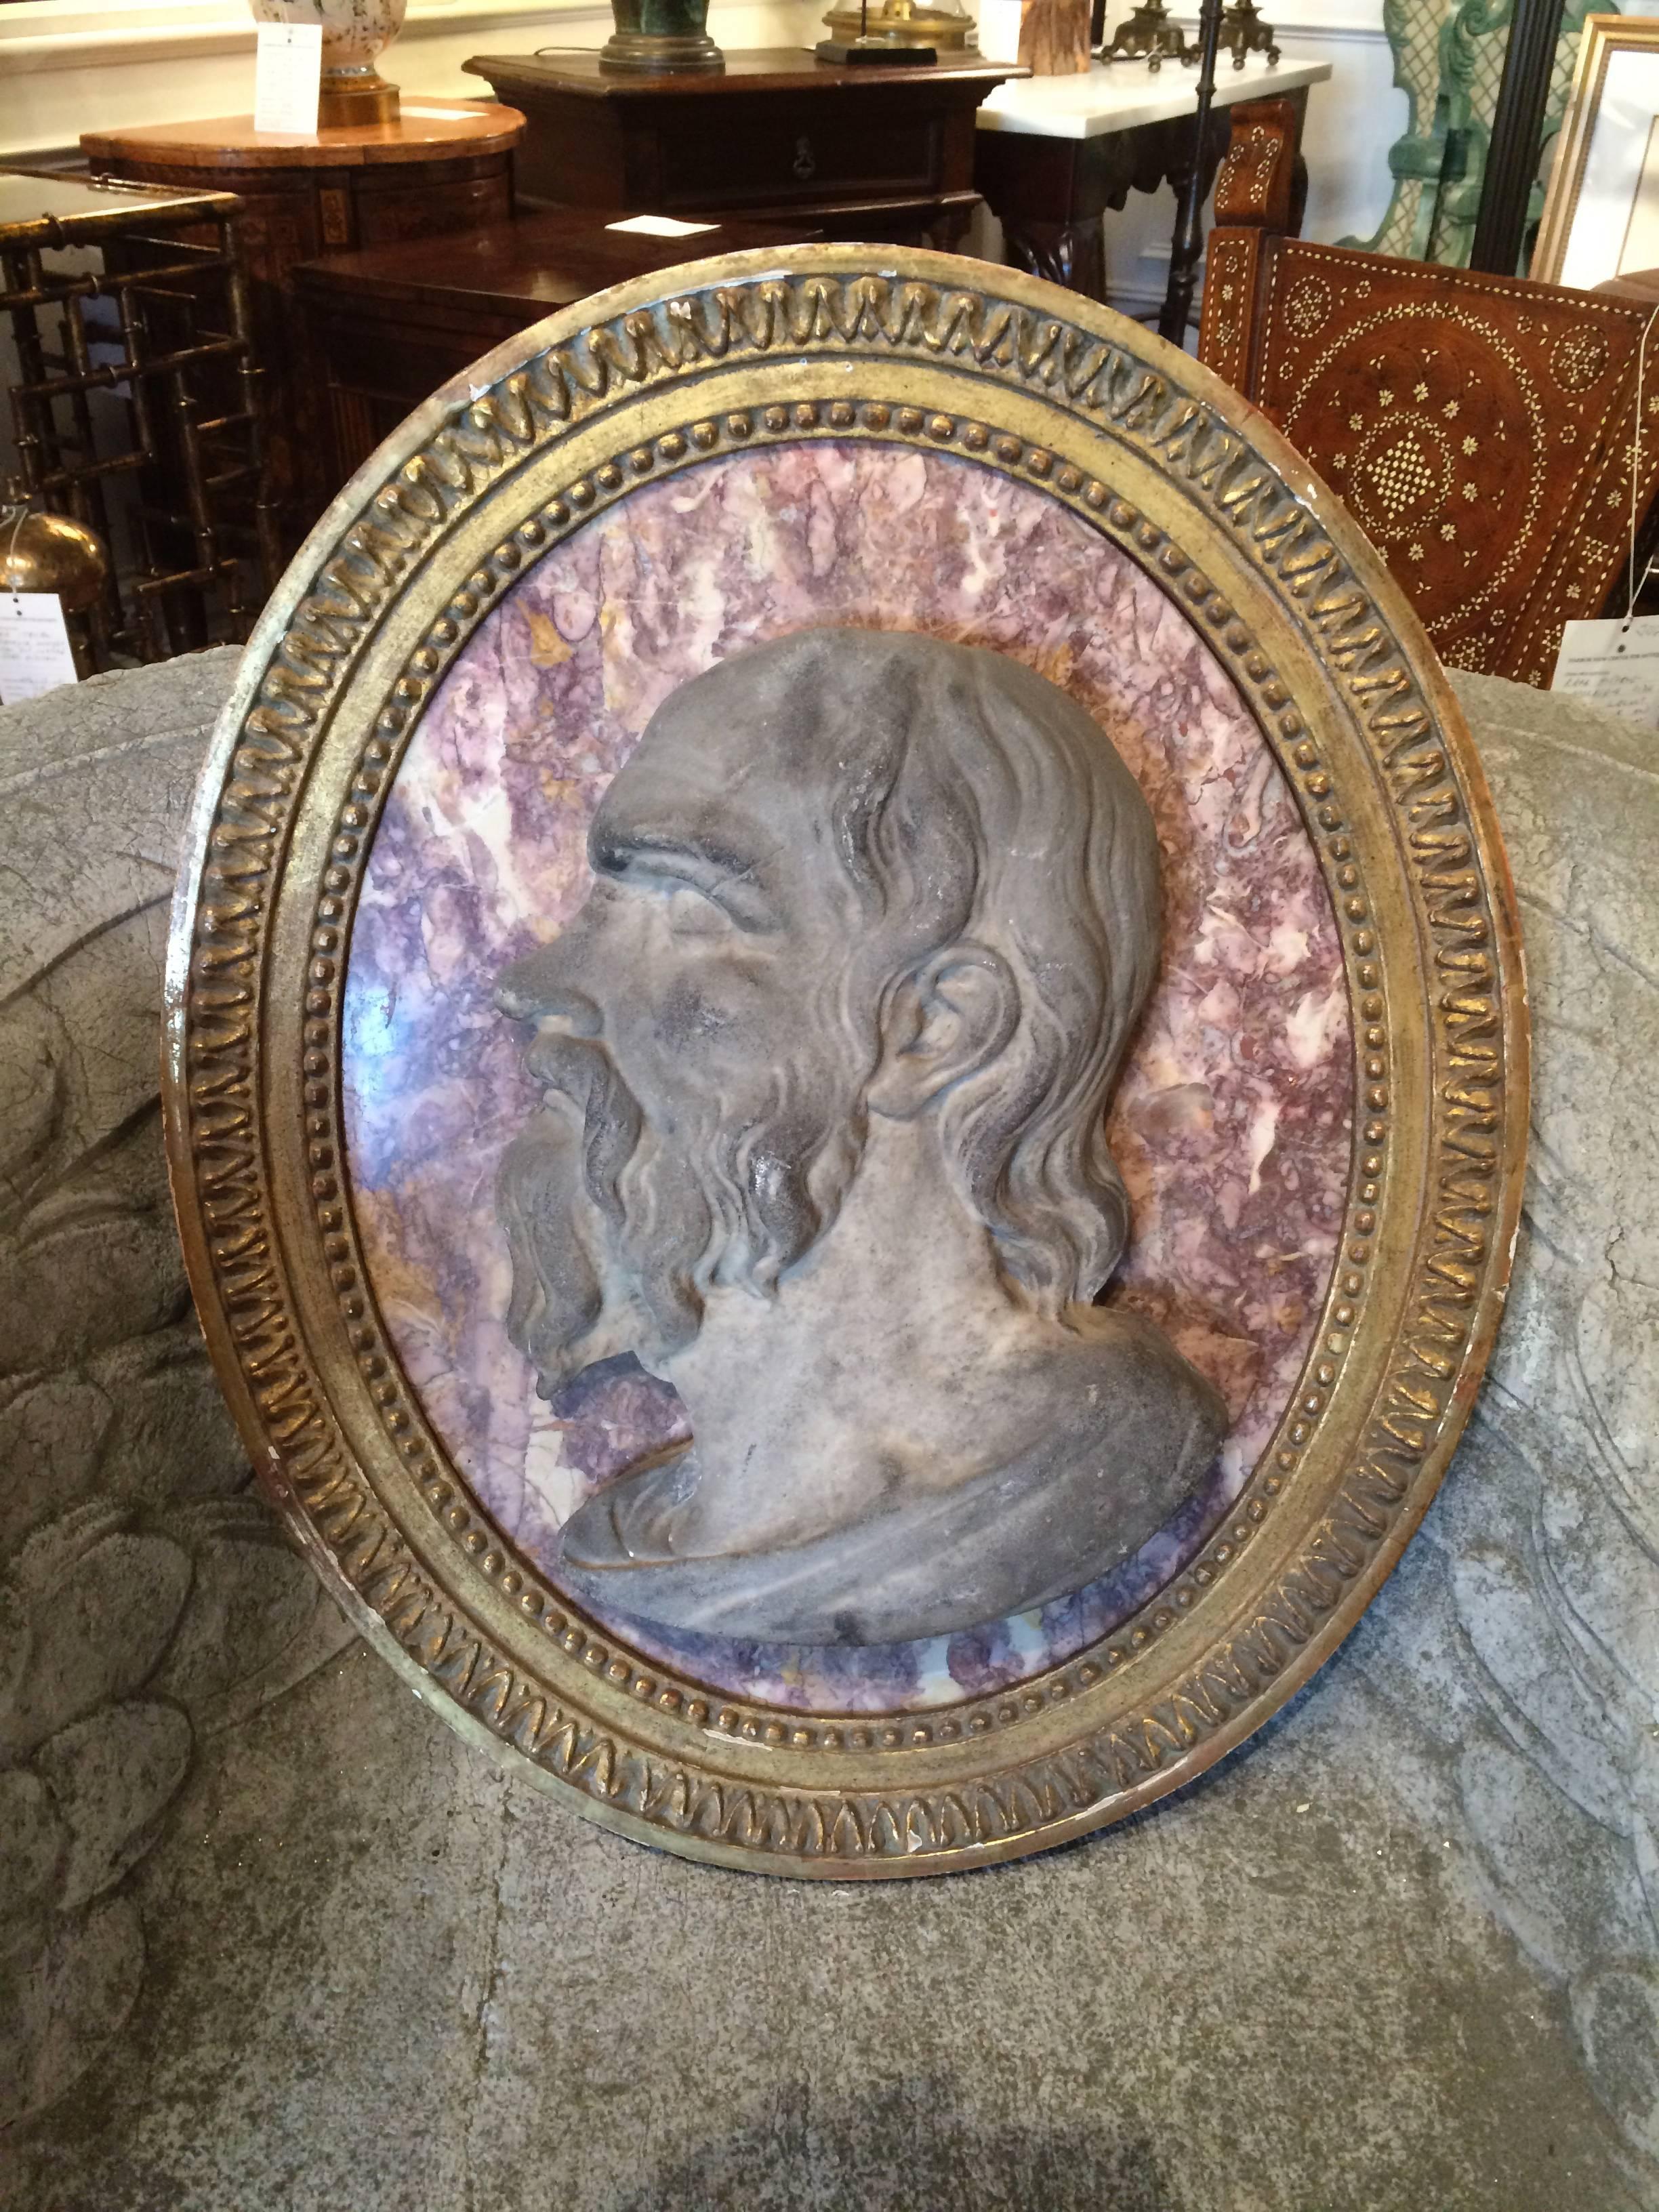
(944,1020)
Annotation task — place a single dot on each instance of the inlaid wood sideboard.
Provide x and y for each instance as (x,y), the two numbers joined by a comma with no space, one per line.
(442,166)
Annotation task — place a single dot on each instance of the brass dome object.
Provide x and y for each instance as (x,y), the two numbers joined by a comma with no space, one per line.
(905,24)
(43,552)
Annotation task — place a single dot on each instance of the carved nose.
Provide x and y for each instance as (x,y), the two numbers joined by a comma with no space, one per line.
(534,989)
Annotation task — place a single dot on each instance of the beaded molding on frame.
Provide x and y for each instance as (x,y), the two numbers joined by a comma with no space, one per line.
(330,1419)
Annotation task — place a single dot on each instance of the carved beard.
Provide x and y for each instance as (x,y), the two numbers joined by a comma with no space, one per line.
(617,1233)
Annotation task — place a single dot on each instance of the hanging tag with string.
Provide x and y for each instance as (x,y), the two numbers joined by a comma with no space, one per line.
(35,653)
(1614,662)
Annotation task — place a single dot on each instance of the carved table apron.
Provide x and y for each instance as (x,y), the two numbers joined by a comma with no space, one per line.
(1053,153)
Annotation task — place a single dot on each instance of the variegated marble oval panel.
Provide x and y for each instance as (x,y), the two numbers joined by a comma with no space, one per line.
(1231,1125)
(1322,1127)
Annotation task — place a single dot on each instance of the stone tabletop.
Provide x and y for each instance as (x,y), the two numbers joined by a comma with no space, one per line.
(1123,95)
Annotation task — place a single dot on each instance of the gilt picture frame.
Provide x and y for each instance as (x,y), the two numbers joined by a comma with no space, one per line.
(1601,216)
(631,490)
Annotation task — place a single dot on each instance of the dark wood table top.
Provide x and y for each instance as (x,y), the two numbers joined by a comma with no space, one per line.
(547,259)
(781,68)
(426,131)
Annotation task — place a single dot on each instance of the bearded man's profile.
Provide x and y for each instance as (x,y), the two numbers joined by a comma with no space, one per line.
(826,1057)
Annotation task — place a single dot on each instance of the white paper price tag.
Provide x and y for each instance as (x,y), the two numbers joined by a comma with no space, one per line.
(287,76)
(660,226)
(1614,664)
(34,646)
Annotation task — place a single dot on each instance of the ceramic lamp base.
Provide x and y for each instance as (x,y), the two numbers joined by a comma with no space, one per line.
(354,97)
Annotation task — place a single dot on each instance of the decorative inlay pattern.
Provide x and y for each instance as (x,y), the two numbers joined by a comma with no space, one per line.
(1308,308)
(1401,474)
(1580,359)
(1478,426)
(1058,394)
(1230,261)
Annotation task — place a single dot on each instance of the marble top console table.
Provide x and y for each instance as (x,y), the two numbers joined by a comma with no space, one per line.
(1053,153)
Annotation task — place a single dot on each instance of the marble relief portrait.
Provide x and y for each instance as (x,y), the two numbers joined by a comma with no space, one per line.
(866,889)
(825,1059)
(1217,1102)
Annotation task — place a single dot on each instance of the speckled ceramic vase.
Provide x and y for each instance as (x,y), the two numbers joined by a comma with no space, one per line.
(355,33)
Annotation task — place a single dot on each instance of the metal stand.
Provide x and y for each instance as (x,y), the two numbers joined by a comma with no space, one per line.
(1188,241)
(1151,34)
(1242,33)
(160,337)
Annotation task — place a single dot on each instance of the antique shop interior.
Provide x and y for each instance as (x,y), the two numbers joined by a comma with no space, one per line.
(828,972)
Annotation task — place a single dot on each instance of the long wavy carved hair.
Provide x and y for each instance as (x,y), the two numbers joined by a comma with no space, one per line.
(970,802)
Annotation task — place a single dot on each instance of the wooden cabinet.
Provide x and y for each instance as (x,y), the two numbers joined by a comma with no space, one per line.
(881,153)
(387,326)
(438,169)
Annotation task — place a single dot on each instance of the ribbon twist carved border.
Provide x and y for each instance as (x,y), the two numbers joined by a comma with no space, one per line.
(909,350)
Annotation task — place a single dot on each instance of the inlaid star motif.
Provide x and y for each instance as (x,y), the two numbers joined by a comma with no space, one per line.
(1413,552)
(1419,391)
(1339,460)
(1449,531)
(1470,491)
(1449,410)
(1356,421)
(1471,445)
(1385,398)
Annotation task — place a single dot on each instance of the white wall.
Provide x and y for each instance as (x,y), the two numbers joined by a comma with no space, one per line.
(66,66)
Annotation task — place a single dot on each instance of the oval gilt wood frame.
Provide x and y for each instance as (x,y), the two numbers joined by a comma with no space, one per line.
(912,350)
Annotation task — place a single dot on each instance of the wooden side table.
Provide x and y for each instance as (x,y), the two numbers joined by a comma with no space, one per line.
(1057,152)
(439,167)
(389,325)
(880,154)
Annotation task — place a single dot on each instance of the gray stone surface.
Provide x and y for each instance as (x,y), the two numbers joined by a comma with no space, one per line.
(145,1597)
(1397,1953)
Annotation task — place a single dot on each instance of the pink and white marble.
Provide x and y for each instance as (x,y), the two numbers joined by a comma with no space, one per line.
(1232,1126)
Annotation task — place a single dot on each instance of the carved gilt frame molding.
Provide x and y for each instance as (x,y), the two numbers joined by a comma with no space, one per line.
(911,349)
(1606,37)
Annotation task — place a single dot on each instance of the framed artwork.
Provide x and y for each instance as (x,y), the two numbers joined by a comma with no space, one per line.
(1601,206)
(845,1070)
